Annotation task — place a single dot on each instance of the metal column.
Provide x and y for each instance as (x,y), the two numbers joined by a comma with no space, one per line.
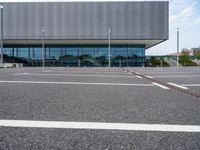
(1,61)
(109,48)
(43,48)
(177,56)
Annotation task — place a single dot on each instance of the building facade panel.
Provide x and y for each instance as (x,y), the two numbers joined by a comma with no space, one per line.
(86,20)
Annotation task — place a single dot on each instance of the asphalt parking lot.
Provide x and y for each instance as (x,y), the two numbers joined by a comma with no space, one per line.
(100,108)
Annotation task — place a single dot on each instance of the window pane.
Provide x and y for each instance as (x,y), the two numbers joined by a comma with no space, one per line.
(23,52)
(55,52)
(72,51)
(8,51)
(37,53)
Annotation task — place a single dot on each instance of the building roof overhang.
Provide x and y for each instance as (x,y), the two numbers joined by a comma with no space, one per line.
(147,43)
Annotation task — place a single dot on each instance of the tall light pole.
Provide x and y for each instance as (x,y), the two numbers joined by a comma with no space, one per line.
(177,56)
(109,31)
(43,61)
(1,33)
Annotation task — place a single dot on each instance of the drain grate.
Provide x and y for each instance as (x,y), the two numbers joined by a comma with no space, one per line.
(189,92)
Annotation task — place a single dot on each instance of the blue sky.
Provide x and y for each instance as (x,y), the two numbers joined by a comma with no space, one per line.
(184,14)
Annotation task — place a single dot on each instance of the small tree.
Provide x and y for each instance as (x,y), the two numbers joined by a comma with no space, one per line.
(198,54)
(185,54)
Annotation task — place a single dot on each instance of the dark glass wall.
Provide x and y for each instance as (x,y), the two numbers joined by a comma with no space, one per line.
(76,55)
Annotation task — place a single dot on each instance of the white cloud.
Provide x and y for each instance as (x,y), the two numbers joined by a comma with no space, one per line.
(197,20)
(186,15)
(187,12)
(180,13)
(173,19)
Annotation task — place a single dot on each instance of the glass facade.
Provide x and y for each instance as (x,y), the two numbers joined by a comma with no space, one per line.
(76,55)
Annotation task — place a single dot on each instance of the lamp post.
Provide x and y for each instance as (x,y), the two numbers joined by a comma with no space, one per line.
(1,33)
(109,31)
(43,61)
(177,56)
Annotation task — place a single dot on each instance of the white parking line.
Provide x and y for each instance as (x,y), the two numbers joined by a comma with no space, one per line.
(46,70)
(75,75)
(76,83)
(190,85)
(139,77)
(18,74)
(163,72)
(182,87)
(102,72)
(100,126)
(178,76)
(70,70)
(137,72)
(149,77)
(159,85)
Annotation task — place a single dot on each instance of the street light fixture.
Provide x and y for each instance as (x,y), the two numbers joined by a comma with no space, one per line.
(43,61)
(1,33)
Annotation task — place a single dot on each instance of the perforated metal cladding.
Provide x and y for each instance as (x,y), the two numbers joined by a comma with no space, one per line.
(86,20)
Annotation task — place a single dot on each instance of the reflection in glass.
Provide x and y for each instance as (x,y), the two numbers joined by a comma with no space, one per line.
(78,55)
(23,52)
(55,52)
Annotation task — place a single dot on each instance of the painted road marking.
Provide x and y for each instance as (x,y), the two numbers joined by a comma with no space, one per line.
(78,75)
(177,76)
(152,72)
(75,83)
(159,85)
(102,72)
(71,70)
(18,74)
(182,87)
(137,72)
(139,77)
(46,71)
(100,126)
(149,77)
(190,84)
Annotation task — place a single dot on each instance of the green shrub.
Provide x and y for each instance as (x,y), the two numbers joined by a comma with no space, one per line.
(185,61)
(157,63)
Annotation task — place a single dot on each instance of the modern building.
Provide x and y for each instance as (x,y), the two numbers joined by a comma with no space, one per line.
(80,33)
